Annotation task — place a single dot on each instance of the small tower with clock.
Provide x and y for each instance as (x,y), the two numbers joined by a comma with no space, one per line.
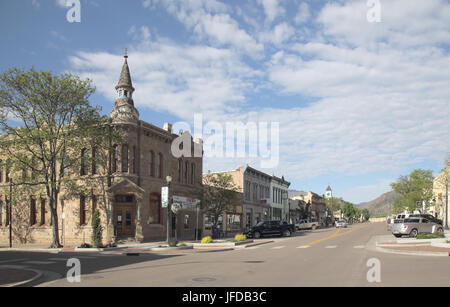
(124,110)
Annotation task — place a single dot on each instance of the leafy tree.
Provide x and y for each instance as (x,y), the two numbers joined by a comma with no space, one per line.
(348,210)
(45,122)
(366,214)
(219,195)
(413,189)
(333,204)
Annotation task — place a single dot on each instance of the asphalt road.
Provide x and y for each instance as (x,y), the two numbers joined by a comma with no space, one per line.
(327,257)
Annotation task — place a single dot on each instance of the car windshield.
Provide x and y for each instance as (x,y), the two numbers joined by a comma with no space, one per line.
(260,224)
(341,221)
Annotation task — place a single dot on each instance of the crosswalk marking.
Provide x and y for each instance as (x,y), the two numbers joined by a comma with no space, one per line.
(359,246)
(278,247)
(13,260)
(331,246)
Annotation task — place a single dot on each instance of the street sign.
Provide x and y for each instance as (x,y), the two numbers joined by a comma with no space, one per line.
(164,197)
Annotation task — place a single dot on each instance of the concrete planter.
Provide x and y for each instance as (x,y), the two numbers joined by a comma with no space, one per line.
(220,244)
(166,248)
(92,249)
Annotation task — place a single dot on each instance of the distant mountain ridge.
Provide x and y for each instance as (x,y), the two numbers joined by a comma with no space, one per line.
(382,205)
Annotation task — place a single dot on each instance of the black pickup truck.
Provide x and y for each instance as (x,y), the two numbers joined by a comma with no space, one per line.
(271,228)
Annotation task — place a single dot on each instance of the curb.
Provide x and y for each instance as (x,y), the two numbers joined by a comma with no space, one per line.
(24,282)
(254,244)
(413,253)
(169,248)
(33,250)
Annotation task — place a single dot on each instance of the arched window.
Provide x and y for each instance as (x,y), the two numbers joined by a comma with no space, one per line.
(115,155)
(42,211)
(94,161)
(155,209)
(192,173)
(124,158)
(151,161)
(159,166)
(32,211)
(84,162)
(186,172)
(180,170)
(82,210)
(134,160)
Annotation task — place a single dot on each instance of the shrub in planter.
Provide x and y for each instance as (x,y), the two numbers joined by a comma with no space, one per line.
(431,236)
(240,237)
(96,238)
(173,243)
(207,239)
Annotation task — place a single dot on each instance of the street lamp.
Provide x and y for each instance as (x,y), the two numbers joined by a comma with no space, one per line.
(168,180)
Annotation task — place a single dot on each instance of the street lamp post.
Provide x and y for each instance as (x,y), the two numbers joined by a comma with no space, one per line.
(169,180)
(10,212)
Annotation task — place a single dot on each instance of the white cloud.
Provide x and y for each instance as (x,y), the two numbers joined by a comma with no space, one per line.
(272,9)
(303,14)
(209,19)
(377,93)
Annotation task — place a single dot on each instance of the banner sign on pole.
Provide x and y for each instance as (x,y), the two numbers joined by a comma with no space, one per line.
(164,197)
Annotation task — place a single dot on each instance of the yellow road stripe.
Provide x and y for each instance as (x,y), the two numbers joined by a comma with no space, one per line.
(323,239)
(336,234)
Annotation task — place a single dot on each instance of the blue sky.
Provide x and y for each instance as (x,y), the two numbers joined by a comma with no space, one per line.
(358,103)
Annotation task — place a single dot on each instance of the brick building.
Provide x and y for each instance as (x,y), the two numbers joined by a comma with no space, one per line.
(138,170)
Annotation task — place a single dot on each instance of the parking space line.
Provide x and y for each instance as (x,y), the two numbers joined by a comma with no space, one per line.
(331,246)
(39,262)
(304,246)
(359,246)
(278,247)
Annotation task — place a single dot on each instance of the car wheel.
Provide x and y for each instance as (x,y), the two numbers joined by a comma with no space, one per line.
(413,233)
(287,233)
(314,227)
(257,235)
(440,230)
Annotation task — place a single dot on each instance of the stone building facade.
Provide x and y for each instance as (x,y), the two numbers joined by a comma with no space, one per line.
(132,207)
(279,205)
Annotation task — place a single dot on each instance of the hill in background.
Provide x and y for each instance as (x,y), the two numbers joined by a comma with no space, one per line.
(382,205)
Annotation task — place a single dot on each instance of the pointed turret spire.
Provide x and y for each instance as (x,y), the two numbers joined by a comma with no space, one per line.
(124,109)
(125,77)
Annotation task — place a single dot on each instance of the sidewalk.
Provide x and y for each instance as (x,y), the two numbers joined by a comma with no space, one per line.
(424,247)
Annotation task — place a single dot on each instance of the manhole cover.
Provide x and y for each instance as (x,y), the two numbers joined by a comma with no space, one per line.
(254,261)
(203,279)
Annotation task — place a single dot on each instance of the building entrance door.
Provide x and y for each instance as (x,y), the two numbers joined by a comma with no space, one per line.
(124,220)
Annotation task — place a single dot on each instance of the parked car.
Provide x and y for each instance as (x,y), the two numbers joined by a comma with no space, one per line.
(413,226)
(271,228)
(341,223)
(304,224)
(428,216)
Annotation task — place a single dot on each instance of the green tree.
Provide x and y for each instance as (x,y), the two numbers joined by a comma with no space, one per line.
(349,210)
(219,195)
(45,122)
(96,238)
(413,189)
(366,214)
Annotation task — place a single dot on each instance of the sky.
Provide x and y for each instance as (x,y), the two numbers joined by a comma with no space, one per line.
(358,103)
